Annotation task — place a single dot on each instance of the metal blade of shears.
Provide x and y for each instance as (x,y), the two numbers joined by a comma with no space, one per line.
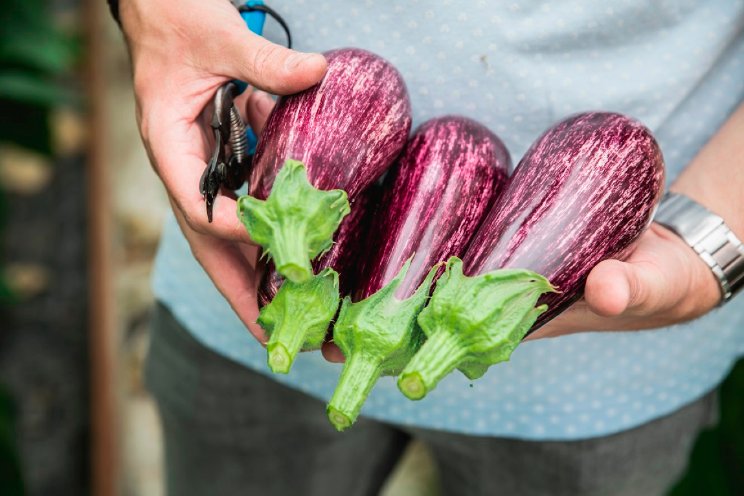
(230,169)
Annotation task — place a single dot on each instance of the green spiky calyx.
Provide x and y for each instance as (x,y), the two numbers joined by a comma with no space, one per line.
(296,222)
(472,323)
(378,336)
(298,318)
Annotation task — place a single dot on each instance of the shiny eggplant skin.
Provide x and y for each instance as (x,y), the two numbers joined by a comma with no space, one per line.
(584,192)
(344,253)
(347,130)
(434,198)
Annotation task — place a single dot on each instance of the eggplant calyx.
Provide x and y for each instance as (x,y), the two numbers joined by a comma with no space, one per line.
(298,318)
(296,222)
(472,323)
(378,336)
(382,324)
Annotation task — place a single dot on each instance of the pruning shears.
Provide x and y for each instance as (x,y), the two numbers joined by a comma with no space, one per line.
(234,144)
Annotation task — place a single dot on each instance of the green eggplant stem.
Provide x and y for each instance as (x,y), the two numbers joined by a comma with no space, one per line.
(378,336)
(359,375)
(472,323)
(440,355)
(281,357)
(290,253)
(298,318)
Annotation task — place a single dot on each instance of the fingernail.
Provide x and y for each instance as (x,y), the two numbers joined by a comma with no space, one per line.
(295,60)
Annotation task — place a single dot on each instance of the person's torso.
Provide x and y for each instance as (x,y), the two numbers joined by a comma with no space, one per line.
(518,67)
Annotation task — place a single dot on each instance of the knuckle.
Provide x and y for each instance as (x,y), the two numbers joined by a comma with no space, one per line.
(144,80)
(263,62)
(641,299)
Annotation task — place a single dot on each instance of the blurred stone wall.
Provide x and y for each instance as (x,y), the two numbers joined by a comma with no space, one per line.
(43,343)
(44,330)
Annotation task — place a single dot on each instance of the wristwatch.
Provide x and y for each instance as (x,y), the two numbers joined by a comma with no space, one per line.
(709,236)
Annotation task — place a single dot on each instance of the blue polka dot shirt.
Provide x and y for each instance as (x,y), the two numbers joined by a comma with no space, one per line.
(518,67)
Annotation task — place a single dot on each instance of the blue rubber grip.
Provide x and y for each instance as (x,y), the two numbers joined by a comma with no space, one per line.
(255,21)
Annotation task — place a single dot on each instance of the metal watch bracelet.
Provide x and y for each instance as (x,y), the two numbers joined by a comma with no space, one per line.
(709,236)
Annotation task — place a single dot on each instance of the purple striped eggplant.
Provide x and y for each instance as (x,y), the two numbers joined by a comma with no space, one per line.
(584,192)
(434,199)
(319,149)
(297,316)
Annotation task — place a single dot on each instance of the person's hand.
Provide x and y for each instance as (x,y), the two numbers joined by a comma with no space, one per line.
(181,53)
(234,267)
(663,282)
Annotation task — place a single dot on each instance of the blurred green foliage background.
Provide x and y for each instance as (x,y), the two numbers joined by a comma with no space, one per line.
(36,59)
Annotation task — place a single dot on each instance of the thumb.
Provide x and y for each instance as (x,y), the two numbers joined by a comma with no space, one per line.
(614,287)
(271,67)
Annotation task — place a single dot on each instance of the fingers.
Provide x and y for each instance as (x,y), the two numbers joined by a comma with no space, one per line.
(269,66)
(177,149)
(184,186)
(257,110)
(212,38)
(332,353)
(229,266)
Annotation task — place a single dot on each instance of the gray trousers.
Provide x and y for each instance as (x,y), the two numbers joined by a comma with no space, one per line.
(231,431)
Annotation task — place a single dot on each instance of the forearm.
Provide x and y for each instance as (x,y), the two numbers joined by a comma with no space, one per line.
(715,177)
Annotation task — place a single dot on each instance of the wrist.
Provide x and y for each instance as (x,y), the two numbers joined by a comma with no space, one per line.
(713,177)
(708,235)
(705,193)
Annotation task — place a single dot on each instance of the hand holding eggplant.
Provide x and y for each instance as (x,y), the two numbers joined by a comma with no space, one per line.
(664,282)
(584,192)
(233,267)
(175,76)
